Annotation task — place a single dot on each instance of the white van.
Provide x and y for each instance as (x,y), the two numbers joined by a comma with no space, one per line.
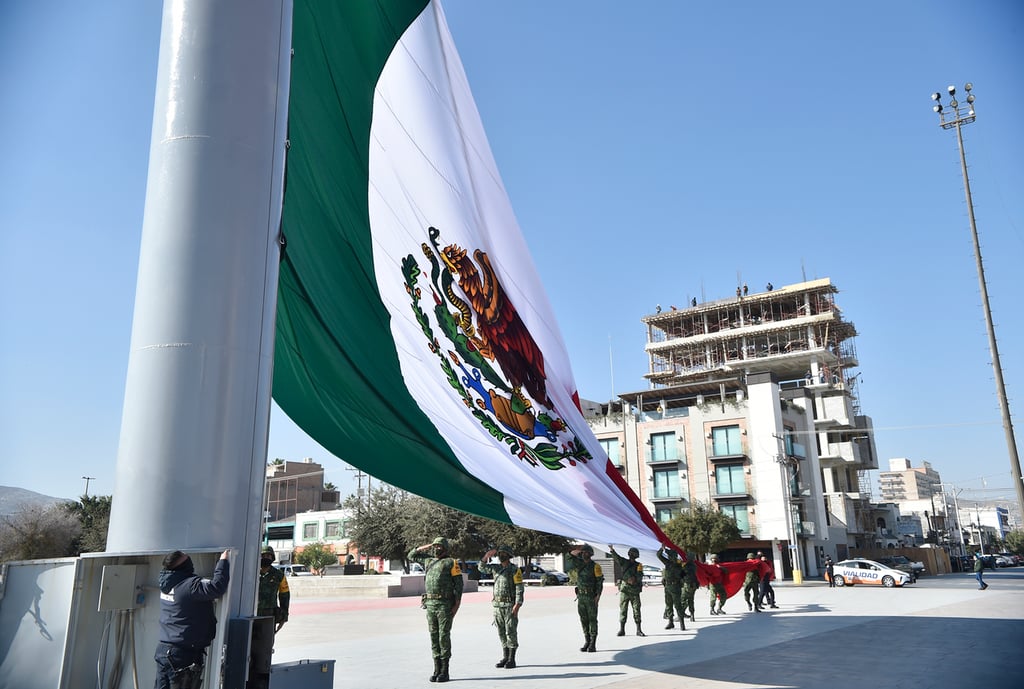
(295,570)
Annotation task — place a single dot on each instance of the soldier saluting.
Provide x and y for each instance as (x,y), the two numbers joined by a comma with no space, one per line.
(589,584)
(443,583)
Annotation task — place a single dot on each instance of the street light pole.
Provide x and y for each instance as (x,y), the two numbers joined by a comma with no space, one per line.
(87,479)
(958,115)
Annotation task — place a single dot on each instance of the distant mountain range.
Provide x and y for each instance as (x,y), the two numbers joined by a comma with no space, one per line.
(14,500)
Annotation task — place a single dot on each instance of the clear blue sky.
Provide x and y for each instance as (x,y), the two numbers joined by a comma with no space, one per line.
(653,151)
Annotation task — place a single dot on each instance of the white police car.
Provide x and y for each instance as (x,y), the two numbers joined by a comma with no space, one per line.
(860,571)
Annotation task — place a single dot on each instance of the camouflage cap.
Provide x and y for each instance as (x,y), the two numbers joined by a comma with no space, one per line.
(633,552)
(503,549)
(671,554)
(587,548)
(267,550)
(441,541)
(750,556)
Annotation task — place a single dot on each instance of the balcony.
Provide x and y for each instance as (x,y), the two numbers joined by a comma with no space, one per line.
(728,498)
(727,458)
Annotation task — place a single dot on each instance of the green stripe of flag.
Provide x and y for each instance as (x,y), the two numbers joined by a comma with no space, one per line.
(336,373)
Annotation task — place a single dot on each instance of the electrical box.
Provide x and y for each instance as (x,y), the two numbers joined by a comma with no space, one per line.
(303,674)
(117,587)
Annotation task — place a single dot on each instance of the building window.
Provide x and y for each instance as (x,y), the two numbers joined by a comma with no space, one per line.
(666,483)
(309,531)
(334,529)
(611,448)
(663,446)
(729,480)
(739,513)
(663,515)
(725,440)
(793,448)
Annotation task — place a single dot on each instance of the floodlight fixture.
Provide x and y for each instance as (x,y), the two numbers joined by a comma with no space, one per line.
(955,119)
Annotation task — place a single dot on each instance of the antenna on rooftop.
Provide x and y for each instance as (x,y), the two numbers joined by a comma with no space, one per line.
(611,371)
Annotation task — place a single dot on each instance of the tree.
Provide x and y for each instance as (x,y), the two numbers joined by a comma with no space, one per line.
(526,543)
(1015,542)
(330,486)
(426,520)
(394,522)
(93,513)
(317,556)
(702,529)
(379,527)
(38,533)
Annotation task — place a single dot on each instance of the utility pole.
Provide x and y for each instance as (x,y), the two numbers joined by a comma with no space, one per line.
(956,510)
(956,116)
(87,479)
(360,475)
(783,460)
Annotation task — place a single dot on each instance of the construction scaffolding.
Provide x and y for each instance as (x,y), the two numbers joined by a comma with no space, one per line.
(797,332)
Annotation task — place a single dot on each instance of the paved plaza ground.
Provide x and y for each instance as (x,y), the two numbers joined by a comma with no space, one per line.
(939,633)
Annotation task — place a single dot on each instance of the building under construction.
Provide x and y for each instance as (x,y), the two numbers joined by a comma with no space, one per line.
(796,332)
(752,408)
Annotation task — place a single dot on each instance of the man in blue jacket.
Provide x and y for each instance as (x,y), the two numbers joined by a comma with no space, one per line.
(187,621)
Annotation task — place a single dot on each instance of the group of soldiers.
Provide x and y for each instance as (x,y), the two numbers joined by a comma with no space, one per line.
(443,593)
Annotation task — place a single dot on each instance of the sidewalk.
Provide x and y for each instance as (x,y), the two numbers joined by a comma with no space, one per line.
(941,632)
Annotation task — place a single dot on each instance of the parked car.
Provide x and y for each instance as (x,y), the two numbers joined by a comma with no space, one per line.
(295,570)
(860,571)
(904,565)
(535,574)
(652,576)
(1005,560)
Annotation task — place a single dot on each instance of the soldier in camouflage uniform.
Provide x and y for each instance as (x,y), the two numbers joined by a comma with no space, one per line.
(717,587)
(673,581)
(690,586)
(752,586)
(630,585)
(507,600)
(589,584)
(272,598)
(443,583)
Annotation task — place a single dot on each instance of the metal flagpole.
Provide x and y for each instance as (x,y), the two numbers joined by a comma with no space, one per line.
(192,453)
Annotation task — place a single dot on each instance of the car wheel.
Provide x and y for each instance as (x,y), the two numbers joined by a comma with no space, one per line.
(840,581)
(888,582)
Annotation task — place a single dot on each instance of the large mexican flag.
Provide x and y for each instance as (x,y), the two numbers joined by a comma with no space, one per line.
(414,339)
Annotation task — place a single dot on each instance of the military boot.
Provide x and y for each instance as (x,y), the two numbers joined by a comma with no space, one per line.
(670,625)
(622,629)
(504,658)
(511,659)
(713,609)
(442,676)
(639,632)
(721,608)
(437,669)
(586,643)
(593,644)
(682,624)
